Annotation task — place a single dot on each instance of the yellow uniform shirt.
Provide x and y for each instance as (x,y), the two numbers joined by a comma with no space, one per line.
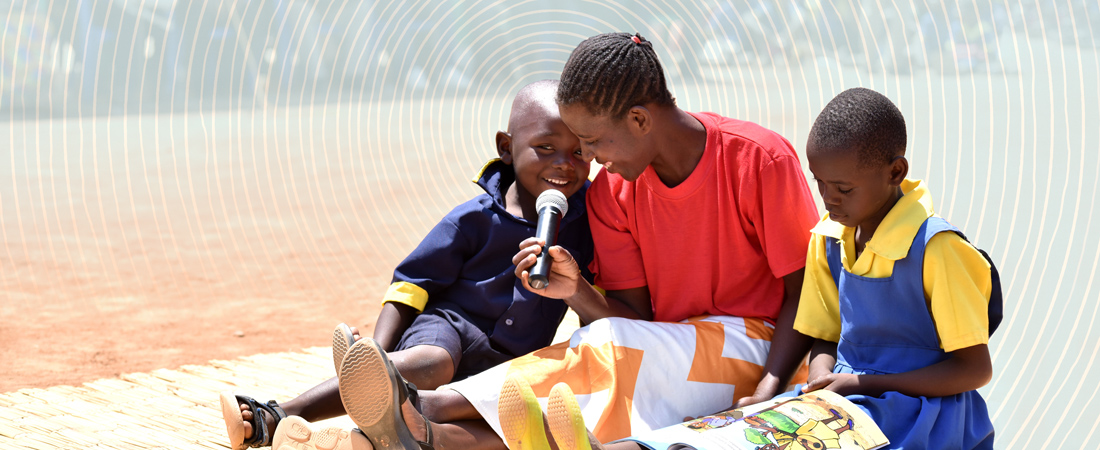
(956,277)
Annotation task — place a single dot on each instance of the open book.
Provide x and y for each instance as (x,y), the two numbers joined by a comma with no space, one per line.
(816,420)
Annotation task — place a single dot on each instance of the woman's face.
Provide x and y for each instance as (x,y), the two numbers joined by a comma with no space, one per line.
(616,144)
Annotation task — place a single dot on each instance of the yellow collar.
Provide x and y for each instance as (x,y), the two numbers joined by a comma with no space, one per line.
(895,234)
(481,173)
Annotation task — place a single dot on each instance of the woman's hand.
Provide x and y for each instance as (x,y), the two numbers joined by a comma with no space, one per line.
(565,273)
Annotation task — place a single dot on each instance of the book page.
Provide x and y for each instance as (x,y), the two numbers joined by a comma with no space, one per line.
(815,421)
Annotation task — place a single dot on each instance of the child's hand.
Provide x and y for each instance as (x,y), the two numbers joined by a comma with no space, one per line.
(564,275)
(841,383)
(816,373)
(751,400)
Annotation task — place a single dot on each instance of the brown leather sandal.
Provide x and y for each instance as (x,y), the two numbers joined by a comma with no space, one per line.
(234,421)
(373,391)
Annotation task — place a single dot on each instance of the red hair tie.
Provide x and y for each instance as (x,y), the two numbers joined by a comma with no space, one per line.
(636,39)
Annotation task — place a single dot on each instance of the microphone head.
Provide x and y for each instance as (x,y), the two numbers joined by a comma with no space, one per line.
(552,197)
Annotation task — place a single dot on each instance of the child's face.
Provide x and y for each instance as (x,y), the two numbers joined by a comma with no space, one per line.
(545,154)
(854,196)
(612,143)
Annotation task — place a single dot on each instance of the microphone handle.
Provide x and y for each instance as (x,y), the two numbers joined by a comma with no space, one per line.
(547,230)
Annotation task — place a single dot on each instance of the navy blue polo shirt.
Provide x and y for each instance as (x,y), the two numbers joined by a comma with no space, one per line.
(464,265)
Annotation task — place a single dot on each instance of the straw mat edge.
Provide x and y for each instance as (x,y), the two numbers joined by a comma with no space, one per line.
(162,409)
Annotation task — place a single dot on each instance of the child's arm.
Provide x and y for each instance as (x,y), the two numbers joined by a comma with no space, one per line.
(393,320)
(788,348)
(822,359)
(968,369)
(567,284)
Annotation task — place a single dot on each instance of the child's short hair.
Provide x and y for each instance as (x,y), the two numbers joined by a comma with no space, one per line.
(612,72)
(863,120)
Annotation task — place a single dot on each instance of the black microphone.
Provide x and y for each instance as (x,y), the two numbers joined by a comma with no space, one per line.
(551,206)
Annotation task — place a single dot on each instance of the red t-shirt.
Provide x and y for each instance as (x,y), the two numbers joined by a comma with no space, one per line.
(718,243)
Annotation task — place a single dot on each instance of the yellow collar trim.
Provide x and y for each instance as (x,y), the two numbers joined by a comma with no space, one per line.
(481,172)
(896,232)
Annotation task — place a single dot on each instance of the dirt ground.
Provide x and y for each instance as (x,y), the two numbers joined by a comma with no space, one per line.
(129,244)
(82,341)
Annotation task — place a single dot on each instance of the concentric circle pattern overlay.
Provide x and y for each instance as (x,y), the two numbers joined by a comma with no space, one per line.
(286,148)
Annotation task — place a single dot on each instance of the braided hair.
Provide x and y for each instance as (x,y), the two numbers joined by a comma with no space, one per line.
(863,120)
(612,72)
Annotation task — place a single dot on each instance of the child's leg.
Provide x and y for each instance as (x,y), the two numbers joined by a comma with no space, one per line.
(441,346)
(318,403)
(423,364)
(379,400)
(323,402)
(426,366)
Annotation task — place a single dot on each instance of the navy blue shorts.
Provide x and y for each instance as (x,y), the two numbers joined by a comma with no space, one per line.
(468,346)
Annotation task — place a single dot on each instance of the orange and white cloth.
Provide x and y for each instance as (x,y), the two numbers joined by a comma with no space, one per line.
(632,376)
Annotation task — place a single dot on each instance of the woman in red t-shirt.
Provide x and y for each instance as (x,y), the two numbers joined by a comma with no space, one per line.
(700,224)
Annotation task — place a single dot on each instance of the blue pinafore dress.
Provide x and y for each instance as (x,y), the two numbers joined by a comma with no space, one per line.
(886,328)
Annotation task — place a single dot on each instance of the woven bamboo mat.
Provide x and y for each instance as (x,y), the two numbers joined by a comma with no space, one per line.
(169,409)
(165,409)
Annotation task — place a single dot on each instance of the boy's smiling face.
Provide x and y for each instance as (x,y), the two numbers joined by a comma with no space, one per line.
(855,196)
(542,151)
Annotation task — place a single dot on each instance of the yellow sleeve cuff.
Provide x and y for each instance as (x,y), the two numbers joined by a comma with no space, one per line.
(407,293)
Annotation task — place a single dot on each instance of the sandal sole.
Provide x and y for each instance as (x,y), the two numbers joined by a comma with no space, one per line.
(369,390)
(342,339)
(295,433)
(565,419)
(234,422)
(521,416)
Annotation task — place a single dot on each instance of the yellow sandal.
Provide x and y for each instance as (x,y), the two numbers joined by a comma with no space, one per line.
(566,422)
(521,416)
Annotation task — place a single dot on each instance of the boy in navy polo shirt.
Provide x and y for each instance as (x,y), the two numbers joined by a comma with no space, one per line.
(456,307)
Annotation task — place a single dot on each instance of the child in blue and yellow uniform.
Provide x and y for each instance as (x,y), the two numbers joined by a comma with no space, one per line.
(455,306)
(897,299)
(458,291)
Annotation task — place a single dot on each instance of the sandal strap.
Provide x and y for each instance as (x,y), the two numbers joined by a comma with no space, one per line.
(273,407)
(429,443)
(407,390)
(412,394)
(261,437)
(414,397)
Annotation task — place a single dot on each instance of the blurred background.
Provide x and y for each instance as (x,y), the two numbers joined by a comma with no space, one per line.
(189,165)
(81,57)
